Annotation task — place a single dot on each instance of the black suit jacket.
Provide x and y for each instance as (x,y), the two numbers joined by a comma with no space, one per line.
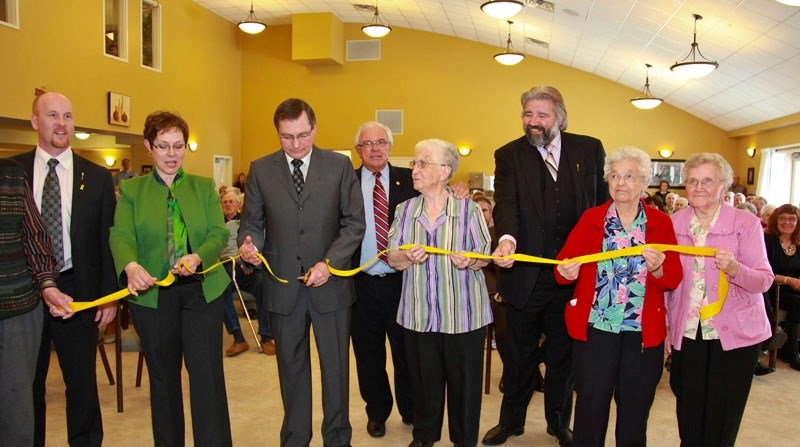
(401,188)
(519,193)
(93,204)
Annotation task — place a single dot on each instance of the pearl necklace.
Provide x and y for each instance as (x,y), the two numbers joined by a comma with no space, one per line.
(790,250)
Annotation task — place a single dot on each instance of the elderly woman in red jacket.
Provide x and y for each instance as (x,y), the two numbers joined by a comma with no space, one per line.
(617,317)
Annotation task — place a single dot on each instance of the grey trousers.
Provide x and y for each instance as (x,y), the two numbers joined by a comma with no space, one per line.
(19,348)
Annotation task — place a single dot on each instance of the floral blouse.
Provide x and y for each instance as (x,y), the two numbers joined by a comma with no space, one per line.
(698,295)
(619,294)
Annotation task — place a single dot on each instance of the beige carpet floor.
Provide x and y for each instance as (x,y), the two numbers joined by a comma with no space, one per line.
(771,418)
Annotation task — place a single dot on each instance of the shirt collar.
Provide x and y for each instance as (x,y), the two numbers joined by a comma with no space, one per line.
(450,207)
(178,177)
(64,158)
(306,159)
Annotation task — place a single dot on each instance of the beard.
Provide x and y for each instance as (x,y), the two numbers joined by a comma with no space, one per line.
(541,139)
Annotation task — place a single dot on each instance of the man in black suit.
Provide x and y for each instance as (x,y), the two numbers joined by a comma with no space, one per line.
(87,269)
(543,182)
(379,286)
(303,206)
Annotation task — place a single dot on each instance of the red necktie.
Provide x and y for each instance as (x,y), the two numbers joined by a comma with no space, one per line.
(380,205)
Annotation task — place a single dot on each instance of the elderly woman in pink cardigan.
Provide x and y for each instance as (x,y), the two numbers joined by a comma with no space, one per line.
(713,359)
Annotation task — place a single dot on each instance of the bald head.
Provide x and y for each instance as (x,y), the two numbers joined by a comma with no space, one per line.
(52,119)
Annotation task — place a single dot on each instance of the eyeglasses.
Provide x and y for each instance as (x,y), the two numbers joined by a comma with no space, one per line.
(164,147)
(629,177)
(705,183)
(291,138)
(789,219)
(422,164)
(380,144)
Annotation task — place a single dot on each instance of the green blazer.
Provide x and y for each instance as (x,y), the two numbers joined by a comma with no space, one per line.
(140,230)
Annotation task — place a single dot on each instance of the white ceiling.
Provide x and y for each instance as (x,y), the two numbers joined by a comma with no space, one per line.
(756,42)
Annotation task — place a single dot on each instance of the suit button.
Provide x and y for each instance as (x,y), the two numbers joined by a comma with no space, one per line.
(300,208)
(302,232)
(298,258)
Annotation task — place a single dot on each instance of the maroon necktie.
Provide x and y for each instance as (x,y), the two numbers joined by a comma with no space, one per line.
(380,205)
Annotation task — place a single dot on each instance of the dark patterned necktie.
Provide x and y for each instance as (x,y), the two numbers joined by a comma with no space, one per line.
(51,212)
(381,207)
(297,176)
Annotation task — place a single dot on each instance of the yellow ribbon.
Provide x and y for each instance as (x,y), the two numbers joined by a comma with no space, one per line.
(78,306)
(706,312)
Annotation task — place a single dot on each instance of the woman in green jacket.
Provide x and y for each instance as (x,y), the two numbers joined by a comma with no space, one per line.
(170,221)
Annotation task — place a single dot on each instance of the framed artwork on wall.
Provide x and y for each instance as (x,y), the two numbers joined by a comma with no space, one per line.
(669,170)
(751,176)
(146,169)
(119,109)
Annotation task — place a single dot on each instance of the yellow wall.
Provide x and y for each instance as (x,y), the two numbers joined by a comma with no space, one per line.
(452,89)
(60,46)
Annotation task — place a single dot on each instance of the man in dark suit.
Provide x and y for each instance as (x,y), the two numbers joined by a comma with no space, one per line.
(303,206)
(87,270)
(543,182)
(379,286)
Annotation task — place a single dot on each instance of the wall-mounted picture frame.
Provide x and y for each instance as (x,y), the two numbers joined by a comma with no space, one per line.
(669,170)
(146,169)
(119,109)
(751,176)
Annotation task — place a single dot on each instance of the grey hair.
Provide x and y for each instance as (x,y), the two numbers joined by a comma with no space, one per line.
(768,208)
(701,158)
(446,151)
(369,125)
(234,194)
(552,94)
(682,200)
(643,162)
(747,207)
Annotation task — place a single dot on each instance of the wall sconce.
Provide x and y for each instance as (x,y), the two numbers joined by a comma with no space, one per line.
(665,152)
(751,152)
(81,135)
(192,146)
(110,161)
(464,150)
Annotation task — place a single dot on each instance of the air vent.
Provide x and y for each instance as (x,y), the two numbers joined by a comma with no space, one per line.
(363,50)
(537,42)
(364,8)
(393,119)
(542,4)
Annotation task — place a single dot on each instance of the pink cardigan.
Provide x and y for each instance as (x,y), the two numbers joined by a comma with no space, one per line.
(743,319)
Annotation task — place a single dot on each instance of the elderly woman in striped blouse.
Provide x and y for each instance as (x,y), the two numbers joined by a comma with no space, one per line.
(444,305)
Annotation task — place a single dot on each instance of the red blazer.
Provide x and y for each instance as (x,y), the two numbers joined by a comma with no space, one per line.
(587,238)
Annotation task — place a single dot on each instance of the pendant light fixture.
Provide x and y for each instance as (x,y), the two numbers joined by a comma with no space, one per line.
(646,100)
(376,28)
(251,25)
(690,67)
(502,9)
(509,57)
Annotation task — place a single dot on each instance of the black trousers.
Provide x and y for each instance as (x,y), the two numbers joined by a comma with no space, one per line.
(711,387)
(75,341)
(185,328)
(544,312)
(617,365)
(451,363)
(375,319)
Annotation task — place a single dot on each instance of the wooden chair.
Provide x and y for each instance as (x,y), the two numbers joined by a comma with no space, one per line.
(126,340)
(775,296)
